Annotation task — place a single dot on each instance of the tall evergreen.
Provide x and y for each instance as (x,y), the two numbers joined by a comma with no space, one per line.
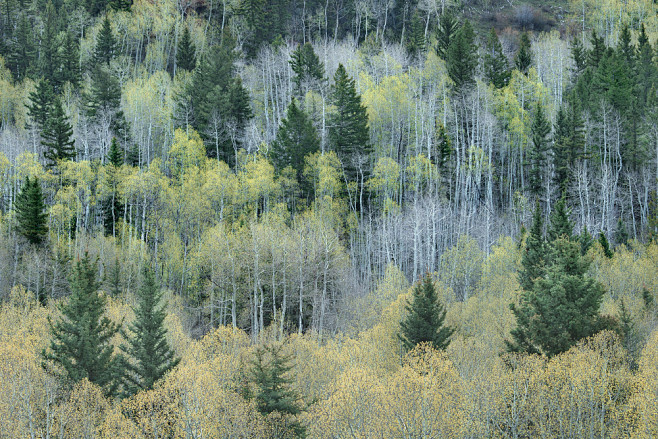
(308,69)
(23,51)
(532,259)
(462,57)
(621,234)
(81,346)
(70,61)
(112,206)
(540,130)
(605,245)
(425,319)
(523,59)
(41,103)
(106,44)
(120,5)
(105,92)
(348,127)
(445,33)
(586,240)
(415,38)
(30,212)
(579,56)
(148,354)
(49,54)
(58,136)
(270,372)
(186,52)
(496,65)
(295,139)
(595,54)
(560,225)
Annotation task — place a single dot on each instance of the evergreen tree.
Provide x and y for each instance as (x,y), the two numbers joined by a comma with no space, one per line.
(80,346)
(49,59)
(57,136)
(532,259)
(295,139)
(621,234)
(106,44)
(445,33)
(308,68)
(540,129)
(425,318)
(22,50)
(415,39)
(462,57)
(120,5)
(30,212)
(41,104)
(115,155)
(273,391)
(595,54)
(523,59)
(186,53)
(70,61)
(561,153)
(112,206)
(586,241)
(114,278)
(149,356)
(579,56)
(605,245)
(496,65)
(562,306)
(348,127)
(105,92)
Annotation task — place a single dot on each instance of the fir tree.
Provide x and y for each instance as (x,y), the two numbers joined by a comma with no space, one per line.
(70,61)
(445,33)
(523,59)
(22,50)
(273,390)
(41,103)
(415,40)
(106,44)
(462,57)
(621,234)
(115,155)
(112,206)
(80,346)
(120,5)
(425,318)
(57,136)
(496,65)
(186,53)
(595,54)
(540,129)
(579,56)
(30,212)
(295,139)
(605,245)
(105,92)
(586,241)
(560,225)
(532,259)
(348,127)
(49,59)
(308,68)
(149,356)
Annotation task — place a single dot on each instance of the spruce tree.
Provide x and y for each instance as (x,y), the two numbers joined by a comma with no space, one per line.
(295,139)
(348,127)
(586,241)
(621,234)
(120,5)
(106,44)
(540,129)
(308,69)
(560,225)
(23,50)
(579,56)
(30,212)
(70,61)
(415,38)
(605,245)
(424,322)
(186,53)
(270,373)
(595,54)
(496,65)
(148,355)
(462,57)
(523,59)
(49,59)
(532,259)
(81,346)
(112,206)
(41,103)
(445,33)
(105,92)
(58,136)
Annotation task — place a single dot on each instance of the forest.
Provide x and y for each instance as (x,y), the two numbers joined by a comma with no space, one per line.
(338,219)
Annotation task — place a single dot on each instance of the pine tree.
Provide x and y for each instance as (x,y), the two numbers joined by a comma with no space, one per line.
(30,212)
(273,391)
(540,129)
(115,155)
(621,234)
(57,136)
(106,44)
(523,59)
(496,65)
(308,68)
(415,39)
(532,259)
(462,57)
(186,53)
(148,354)
(70,61)
(80,346)
(579,56)
(112,206)
(120,5)
(560,225)
(348,127)
(425,318)
(595,54)
(586,241)
(445,33)
(49,59)
(605,245)
(295,139)
(41,103)
(23,50)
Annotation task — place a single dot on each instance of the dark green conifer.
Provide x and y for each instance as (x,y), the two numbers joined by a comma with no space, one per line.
(120,5)
(105,92)
(23,50)
(560,225)
(523,59)
(70,61)
(621,234)
(532,259)
(308,69)
(186,53)
(112,206)
(540,130)
(49,55)
(30,212)
(41,103)
(445,33)
(605,245)
(462,57)
(148,355)
(586,241)
(415,38)
(81,346)
(595,54)
(106,44)
(57,136)
(496,65)
(579,56)
(425,319)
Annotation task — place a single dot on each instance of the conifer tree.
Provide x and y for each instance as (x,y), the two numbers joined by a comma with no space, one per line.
(273,391)
(115,155)
(41,103)
(49,60)
(307,67)
(57,136)
(105,92)
(532,259)
(560,225)
(605,245)
(445,33)
(112,206)
(425,318)
(106,44)
(120,5)
(70,61)
(348,127)
(80,346)
(295,139)
(595,54)
(23,50)
(537,156)
(186,53)
(415,40)
(30,212)
(586,241)
(496,65)
(579,56)
(462,57)
(621,234)
(523,59)
(148,355)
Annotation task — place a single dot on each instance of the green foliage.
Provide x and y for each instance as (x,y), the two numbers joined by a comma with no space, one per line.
(115,154)
(48,60)
(597,51)
(586,241)
(23,50)
(415,38)
(579,55)
(540,129)
(560,225)
(69,57)
(148,355)
(462,57)
(424,322)
(308,69)
(523,59)
(30,212)
(532,259)
(605,245)
(57,136)
(106,44)
(80,346)
(496,65)
(41,102)
(621,234)
(186,52)
(445,33)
